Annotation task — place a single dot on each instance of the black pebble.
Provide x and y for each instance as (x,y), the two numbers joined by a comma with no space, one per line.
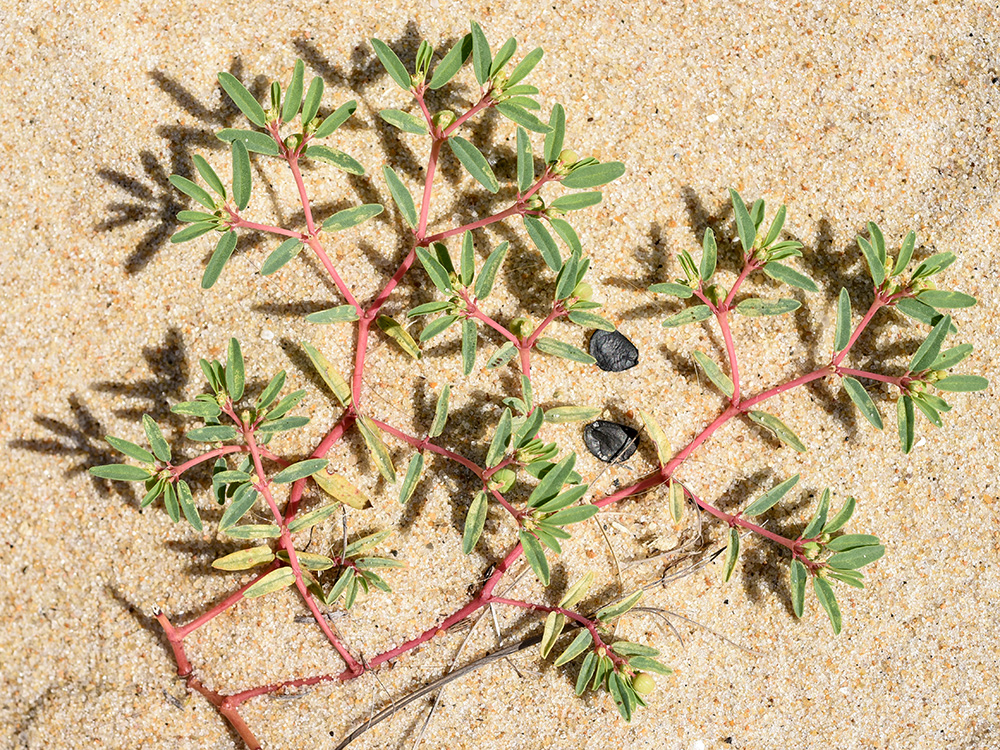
(613,351)
(610,441)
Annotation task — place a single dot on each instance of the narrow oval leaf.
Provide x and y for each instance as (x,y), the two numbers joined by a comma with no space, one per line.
(440,413)
(570,237)
(161,449)
(590,320)
(798,586)
(769,498)
(709,256)
(715,373)
(501,356)
(612,611)
(308,520)
(120,472)
(308,560)
(333,379)
(243,99)
(563,414)
(962,383)
(931,347)
(339,314)
(852,541)
(543,241)
(192,190)
(778,428)
(235,372)
(413,472)
(223,250)
(130,449)
(242,180)
(211,434)
(401,196)
(577,201)
(208,175)
(392,64)
(876,267)
(905,254)
(843,516)
(658,436)
(593,175)
(334,157)
(521,116)
(273,581)
(863,401)
(337,118)
(790,276)
(475,520)
(379,453)
(258,143)
(755,308)
(300,470)
(398,334)
(732,554)
(824,593)
(693,314)
(452,62)
(564,350)
(843,331)
(523,68)
(244,559)
(856,558)
(254,531)
(339,489)
(675,495)
(525,161)
(815,525)
(501,439)
(481,57)
(437,326)
(577,591)
(474,162)
(744,224)
(293,96)
(188,507)
(917,310)
(580,644)
(242,502)
(576,514)
(283,254)
(586,673)
(488,273)
(351,217)
(310,106)
(470,337)
(554,140)
(535,556)
(951,357)
(905,423)
(554,623)
(467,266)
(405,121)
(675,290)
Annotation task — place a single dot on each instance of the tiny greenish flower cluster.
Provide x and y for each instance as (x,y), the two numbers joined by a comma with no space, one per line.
(526,481)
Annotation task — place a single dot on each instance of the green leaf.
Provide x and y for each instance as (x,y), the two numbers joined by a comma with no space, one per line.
(617,609)
(341,490)
(690,315)
(876,267)
(843,332)
(211,434)
(755,308)
(161,449)
(192,190)
(852,541)
(586,672)
(223,250)
(203,409)
(337,118)
(856,558)
(339,314)
(274,581)
(622,695)
(398,334)
(877,241)
(525,162)
(379,452)
(535,556)
(428,308)
(475,520)
(413,471)
(501,439)
(488,273)
(562,500)
(658,436)
(905,424)
(798,586)
(905,253)
(235,372)
(776,225)
(293,96)
(593,175)
(243,99)
(554,140)
(440,413)
(438,274)
(196,216)
(646,664)
(120,472)
(543,241)
(842,517)
(564,350)
(405,121)
(576,201)
(501,356)
(675,290)
(828,601)
(523,68)
(208,175)
(481,57)
(579,644)
(521,116)
(590,320)
(951,357)
(308,520)
(156,487)
(744,224)
(284,253)
(577,591)
(919,311)
(715,373)
(351,217)
(332,156)
(779,428)
(310,106)
(931,347)
(566,278)
(308,560)
(452,62)
(437,326)
(790,276)
(563,414)
(766,501)
(709,256)
(242,180)
(186,501)
(474,162)
(962,383)
(470,336)
(244,559)
(131,449)
(503,56)
(401,196)
(300,470)
(675,497)
(938,298)
(850,577)
(815,525)
(242,502)
(576,514)
(468,267)
(554,624)
(732,554)
(259,143)
(333,379)
(863,401)
(392,64)
(568,235)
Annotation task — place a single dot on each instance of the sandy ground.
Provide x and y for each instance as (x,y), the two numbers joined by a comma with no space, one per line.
(846,112)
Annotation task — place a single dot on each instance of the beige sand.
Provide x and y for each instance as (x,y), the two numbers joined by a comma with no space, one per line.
(843,111)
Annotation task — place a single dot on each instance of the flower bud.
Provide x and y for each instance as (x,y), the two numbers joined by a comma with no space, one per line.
(444,119)
(293,141)
(583,291)
(521,327)
(643,684)
(568,156)
(503,480)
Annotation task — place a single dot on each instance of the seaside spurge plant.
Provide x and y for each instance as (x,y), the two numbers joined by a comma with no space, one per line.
(525,477)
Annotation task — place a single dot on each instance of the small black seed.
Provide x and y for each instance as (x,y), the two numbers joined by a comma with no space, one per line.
(609,441)
(613,351)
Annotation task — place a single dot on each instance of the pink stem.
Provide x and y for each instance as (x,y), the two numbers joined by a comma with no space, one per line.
(317,248)
(875,307)
(242,223)
(293,165)
(896,381)
(425,203)
(222,606)
(426,444)
(176,471)
(515,209)
(482,104)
